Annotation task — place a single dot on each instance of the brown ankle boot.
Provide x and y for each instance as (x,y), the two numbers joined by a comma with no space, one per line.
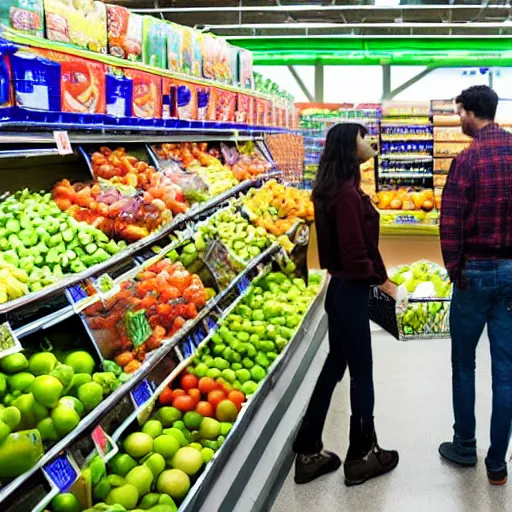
(365,459)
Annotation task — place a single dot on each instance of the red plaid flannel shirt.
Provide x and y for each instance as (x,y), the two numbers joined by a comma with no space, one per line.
(476,210)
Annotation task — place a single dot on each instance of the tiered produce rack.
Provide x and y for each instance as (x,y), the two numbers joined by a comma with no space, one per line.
(31,160)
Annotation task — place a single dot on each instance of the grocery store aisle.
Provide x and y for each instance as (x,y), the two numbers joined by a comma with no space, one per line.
(413,415)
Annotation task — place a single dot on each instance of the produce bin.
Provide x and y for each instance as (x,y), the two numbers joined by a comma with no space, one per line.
(411,318)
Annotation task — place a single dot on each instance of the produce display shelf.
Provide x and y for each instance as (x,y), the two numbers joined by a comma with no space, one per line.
(37,42)
(179,220)
(404,174)
(199,493)
(149,364)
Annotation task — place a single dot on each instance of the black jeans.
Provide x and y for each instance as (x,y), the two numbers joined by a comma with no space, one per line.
(350,344)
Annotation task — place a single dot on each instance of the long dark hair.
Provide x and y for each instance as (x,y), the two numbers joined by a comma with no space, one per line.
(338,163)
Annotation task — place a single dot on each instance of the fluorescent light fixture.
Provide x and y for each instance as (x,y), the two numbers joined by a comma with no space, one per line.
(387,3)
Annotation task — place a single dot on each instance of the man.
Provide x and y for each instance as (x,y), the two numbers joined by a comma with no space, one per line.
(476,240)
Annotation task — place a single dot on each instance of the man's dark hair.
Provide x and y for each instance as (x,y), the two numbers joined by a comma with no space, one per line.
(479,99)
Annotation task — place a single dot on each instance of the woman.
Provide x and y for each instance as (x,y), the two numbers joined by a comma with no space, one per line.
(348,235)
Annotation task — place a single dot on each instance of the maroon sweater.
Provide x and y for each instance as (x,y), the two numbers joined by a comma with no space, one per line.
(348,236)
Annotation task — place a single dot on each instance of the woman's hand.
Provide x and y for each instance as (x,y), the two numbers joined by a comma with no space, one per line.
(389,288)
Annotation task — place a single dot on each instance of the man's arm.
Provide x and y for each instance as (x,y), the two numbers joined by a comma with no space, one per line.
(453,207)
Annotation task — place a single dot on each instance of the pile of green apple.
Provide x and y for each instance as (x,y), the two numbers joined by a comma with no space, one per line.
(155,464)
(43,400)
(259,328)
(43,243)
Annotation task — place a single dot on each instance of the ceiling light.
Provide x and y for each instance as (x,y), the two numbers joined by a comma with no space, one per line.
(387,3)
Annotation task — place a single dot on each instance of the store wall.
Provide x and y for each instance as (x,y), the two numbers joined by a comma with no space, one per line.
(364,83)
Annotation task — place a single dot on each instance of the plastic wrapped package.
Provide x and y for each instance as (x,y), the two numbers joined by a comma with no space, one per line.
(82,22)
(23,15)
(210,55)
(191,52)
(174,36)
(154,42)
(245,67)
(124,33)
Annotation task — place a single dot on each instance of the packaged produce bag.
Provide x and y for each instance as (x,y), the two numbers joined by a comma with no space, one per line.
(232,65)
(82,81)
(210,55)
(245,68)
(124,33)
(174,36)
(81,22)
(191,52)
(154,42)
(23,15)
(147,94)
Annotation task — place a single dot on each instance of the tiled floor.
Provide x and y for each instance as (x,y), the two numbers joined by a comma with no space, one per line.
(413,415)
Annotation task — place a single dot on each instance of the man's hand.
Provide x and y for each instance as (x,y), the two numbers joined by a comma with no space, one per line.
(389,288)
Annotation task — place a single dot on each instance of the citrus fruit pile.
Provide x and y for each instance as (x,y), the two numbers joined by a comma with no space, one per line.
(43,400)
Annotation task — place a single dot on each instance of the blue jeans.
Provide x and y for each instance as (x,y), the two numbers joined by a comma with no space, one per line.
(486,298)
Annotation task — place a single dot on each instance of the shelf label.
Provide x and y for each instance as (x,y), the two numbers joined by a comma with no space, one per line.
(188,346)
(142,393)
(63,144)
(106,287)
(9,343)
(62,472)
(100,440)
(243,284)
(76,293)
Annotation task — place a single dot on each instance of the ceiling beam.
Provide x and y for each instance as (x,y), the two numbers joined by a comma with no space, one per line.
(301,84)
(401,88)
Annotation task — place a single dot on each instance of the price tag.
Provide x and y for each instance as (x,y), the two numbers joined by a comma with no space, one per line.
(63,143)
(62,472)
(106,287)
(9,343)
(199,336)
(76,293)
(243,284)
(142,393)
(188,347)
(100,440)
(210,322)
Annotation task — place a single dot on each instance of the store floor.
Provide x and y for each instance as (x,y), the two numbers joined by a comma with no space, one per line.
(413,415)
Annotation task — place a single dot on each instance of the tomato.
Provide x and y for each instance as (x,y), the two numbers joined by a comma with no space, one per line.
(237,397)
(184,403)
(188,381)
(179,392)
(166,396)
(215,397)
(206,384)
(195,394)
(205,409)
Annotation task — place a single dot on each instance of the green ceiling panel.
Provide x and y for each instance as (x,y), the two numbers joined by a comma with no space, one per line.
(480,52)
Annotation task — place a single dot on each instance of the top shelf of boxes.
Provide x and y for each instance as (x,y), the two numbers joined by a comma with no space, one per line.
(120,70)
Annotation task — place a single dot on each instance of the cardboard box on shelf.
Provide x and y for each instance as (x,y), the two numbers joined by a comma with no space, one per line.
(147,94)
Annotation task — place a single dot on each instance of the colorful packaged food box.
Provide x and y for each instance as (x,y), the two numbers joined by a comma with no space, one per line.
(245,68)
(24,15)
(191,52)
(147,94)
(119,95)
(6,92)
(37,82)
(263,112)
(81,22)
(186,99)
(82,82)
(174,44)
(225,104)
(154,42)
(223,72)
(124,30)
(205,104)
(245,109)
